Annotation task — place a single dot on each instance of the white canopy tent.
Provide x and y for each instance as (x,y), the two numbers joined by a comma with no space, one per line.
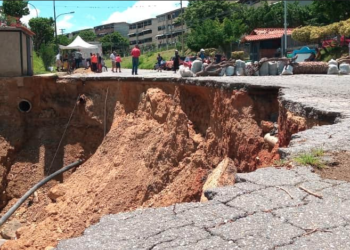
(78,43)
(84,47)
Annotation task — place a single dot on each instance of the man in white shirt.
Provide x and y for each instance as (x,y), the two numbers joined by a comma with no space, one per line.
(112,57)
(58,61)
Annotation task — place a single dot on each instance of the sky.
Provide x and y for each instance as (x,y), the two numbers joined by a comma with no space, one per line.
(88,14)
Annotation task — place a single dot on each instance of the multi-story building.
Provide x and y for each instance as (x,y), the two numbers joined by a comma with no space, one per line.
(105,29)
(143,33)
(169,28)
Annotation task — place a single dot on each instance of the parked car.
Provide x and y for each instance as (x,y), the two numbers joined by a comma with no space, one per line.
(344,41)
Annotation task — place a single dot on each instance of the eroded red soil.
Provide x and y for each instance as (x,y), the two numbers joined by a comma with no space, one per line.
(163,140)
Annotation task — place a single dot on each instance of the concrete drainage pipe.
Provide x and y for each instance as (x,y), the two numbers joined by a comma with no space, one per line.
(24,106)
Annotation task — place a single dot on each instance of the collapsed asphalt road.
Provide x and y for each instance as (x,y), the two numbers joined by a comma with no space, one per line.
(267,209)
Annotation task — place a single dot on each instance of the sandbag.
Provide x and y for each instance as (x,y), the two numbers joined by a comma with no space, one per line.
(264,69)
(333,62)
(230,70)
(287,70)
(222,72)
(185,71)
(204,65)
(280,67)
(196,66)
(240,68)
(239,71)
(333,70)
(344,69)
(272,68)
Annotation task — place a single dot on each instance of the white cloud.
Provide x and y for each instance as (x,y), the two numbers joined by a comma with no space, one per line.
(143,10)
(64,22)
(91,17)
(32,13)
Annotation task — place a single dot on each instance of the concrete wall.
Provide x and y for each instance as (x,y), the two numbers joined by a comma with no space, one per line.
(16,53)
(10,60)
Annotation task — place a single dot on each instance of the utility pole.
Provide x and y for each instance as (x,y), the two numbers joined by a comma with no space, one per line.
(62,30)
(285,27)
(54,15)
(182,31)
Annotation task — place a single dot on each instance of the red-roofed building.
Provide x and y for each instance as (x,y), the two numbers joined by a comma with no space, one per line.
(265,42)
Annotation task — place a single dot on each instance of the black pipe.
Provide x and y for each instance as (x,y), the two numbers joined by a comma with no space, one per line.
(33,189)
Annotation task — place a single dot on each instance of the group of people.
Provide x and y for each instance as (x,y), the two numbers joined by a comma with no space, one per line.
(116,62)
(73,60)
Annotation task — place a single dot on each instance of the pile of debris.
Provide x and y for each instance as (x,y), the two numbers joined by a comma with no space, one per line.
(265,67)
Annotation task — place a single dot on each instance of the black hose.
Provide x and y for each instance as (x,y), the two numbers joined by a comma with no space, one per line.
(33,189)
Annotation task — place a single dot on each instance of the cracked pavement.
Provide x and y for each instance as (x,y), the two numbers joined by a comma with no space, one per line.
(265,209)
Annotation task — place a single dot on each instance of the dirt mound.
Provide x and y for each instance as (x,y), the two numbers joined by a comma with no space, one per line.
(162,144)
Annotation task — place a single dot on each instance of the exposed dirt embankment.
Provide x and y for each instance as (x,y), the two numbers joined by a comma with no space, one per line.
(163,140)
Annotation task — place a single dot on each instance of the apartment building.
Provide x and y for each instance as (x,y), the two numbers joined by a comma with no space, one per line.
(143,33)
(169,28)
(105,29)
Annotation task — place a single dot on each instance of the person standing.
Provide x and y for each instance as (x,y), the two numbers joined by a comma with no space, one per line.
(58,61)
(99,63)
(78,56)
(112,57)
(118,60)
(93,62)
(135,53)
(176,61)
(159,60)
(201,54)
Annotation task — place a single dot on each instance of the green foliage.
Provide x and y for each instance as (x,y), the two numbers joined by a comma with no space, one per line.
(326,12)
(335,52)
(38,65)
(114,41)
(47,53)
(16,8)
(63,40)
(198,11)
(86,35)
(316,33)
(237,55)
(43,29)
(146,61)
(213,34)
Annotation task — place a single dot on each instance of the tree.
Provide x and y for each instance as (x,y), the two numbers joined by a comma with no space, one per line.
(63,40)
(114,41)
(198,11)
(16,8)
(330,11)
(43,29)
(47,53)
(213,34)
(86,35)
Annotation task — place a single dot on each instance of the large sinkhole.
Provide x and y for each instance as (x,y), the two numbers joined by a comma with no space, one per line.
(163,143)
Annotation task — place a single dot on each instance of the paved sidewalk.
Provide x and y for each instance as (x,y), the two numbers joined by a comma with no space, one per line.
(265,210)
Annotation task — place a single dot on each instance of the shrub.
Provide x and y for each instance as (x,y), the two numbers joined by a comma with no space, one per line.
(237,55)
(47,54)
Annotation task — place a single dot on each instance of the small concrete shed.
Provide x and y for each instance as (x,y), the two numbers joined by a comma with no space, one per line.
(16,51)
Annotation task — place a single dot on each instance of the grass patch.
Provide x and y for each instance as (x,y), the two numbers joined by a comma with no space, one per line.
(146,60)
(311,158)
(280,163)
(38,65)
